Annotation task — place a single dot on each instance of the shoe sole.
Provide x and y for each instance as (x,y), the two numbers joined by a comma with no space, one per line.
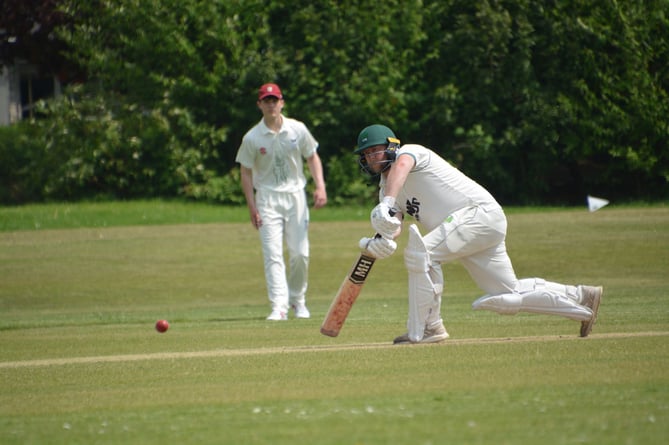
(432,339)
(586,326)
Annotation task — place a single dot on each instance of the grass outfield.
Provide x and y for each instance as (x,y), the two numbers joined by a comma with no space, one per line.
(81,287)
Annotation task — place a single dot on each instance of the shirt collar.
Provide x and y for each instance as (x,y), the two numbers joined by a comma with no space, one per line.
(266,129)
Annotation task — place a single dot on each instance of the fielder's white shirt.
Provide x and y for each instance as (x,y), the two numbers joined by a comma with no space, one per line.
(434,188)
(277,158)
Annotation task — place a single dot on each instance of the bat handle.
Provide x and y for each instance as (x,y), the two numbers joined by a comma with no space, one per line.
(364,242)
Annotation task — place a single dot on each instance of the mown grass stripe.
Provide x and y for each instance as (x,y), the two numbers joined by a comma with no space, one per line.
(316,348)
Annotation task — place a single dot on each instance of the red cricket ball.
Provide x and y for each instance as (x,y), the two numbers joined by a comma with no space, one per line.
(162,326)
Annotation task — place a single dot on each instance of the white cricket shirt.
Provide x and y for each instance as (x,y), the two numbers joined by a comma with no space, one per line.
(277,158)
(434,188)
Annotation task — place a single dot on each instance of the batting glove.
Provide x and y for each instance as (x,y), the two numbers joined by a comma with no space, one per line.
(378,247)
(383,221)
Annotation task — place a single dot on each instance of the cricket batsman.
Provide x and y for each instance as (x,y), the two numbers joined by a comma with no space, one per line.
(459,220)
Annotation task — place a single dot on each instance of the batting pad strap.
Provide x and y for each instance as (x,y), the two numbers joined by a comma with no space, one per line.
(530,284)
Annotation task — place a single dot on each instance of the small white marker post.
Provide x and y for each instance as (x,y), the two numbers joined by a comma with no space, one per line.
(595,204)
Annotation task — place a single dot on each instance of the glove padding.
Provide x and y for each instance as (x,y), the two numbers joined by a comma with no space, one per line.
(382,221)
(378,247)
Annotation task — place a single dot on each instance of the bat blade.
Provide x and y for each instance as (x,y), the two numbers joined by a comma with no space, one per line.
(346,296)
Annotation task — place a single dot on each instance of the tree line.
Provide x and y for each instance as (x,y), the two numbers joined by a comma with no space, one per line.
(541,102)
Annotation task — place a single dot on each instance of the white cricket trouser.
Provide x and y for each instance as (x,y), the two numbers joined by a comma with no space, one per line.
(285,217)
(475,237)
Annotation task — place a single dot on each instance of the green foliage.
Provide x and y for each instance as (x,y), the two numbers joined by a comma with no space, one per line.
(535,102)
(222,189)
(612,90)
(351,186)
(91,144)
(22,167)
(541,102)
(206,57)
(348,64)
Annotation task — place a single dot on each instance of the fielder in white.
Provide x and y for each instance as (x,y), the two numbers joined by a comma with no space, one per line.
(461,221)
(272,175)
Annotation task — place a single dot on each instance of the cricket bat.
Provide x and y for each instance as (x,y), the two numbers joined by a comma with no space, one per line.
(347,294)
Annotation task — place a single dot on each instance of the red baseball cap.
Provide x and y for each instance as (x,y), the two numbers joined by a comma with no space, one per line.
(269,89)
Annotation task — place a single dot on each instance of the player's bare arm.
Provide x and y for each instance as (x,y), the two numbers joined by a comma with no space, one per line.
(247,186)
(385,217)
(316,170)
(397,174)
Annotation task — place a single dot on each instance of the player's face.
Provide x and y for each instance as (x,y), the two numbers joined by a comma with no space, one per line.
(375,157)
(270,106)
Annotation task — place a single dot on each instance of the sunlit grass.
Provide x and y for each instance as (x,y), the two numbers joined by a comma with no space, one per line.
(81,362)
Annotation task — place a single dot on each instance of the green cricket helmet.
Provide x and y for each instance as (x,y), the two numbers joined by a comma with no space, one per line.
(377,135)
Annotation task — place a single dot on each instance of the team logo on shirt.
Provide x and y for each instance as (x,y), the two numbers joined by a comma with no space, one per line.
(413,208)
(263,151)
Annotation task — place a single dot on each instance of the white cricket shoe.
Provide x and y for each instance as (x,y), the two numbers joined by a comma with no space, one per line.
(592,297)
(277,315)
(301,311)
(431,335)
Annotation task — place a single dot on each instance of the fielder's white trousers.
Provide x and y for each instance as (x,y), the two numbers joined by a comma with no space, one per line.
(285,218)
